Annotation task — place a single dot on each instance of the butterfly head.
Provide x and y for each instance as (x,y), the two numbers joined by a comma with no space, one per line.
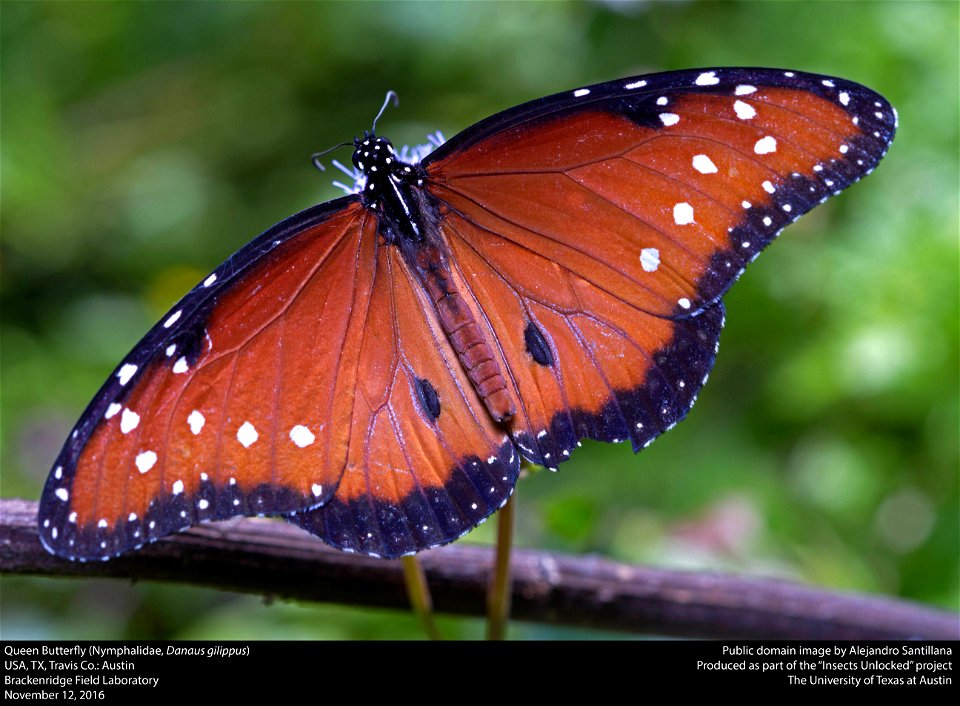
(373,154)
(401,163)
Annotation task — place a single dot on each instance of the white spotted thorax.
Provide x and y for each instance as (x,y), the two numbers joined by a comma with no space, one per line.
(408,154)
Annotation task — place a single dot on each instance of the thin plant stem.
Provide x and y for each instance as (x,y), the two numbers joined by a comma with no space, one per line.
(419,594)
(500,588)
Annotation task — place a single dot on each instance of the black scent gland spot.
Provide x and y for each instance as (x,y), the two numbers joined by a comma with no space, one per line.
(428,398)
(537,345)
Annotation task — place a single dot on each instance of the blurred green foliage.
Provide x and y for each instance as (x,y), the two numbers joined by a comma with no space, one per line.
(144,142)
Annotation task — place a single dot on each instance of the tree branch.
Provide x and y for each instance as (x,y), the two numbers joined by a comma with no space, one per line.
(277,559)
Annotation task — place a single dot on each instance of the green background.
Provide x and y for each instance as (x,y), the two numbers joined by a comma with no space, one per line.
(144,142)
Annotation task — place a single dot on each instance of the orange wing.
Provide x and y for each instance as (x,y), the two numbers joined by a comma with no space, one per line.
(426,462)
(597,235)
(279,386)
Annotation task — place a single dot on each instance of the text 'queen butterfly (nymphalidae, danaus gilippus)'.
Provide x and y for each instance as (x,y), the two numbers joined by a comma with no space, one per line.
(374,368)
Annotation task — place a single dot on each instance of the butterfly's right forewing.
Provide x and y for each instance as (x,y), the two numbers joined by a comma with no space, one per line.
(596,230)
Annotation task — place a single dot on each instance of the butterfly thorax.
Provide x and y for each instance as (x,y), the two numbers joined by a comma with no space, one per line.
(388,188)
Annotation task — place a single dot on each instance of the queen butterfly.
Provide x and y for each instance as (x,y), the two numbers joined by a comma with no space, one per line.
(374,368)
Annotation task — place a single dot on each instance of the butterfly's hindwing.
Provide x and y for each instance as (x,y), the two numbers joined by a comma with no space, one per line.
(414,479)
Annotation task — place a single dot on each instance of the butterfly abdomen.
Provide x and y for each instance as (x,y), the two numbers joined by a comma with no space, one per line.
(462,331)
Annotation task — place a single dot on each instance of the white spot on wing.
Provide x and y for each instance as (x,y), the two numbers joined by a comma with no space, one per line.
(638,84)
(210,280)
(126,372)
(744,111)
(112,410)
(203,503)
(129,421)
(765,145)
(247,435)
(744,90)
(580,93)
(708,78)
(316,489)
(171,349)
(768,187)
(650,259)
(703,164)
(178,487)
(662,100)
(669,118)
(63,494)
(180,366)
(173,319)
(301,436)
(684,303)
(844,98)
(145,461)
(683,214)
(196,420)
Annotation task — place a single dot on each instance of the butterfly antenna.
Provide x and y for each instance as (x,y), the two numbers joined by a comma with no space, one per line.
(391,95)
(315,157)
